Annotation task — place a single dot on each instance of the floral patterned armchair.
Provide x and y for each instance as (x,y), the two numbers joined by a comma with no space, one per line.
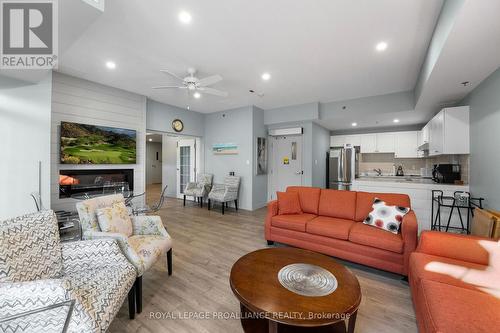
(148,242)
(38,274)
(199,189)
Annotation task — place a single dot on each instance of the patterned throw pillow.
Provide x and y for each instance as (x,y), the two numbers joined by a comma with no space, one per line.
(115,219)
(386,217)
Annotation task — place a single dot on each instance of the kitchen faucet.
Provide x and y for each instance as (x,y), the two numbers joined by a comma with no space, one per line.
(378,171)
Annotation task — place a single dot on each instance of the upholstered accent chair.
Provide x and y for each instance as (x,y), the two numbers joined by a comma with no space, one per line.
(42,279)
(148,242)
(200,189)
(225,193)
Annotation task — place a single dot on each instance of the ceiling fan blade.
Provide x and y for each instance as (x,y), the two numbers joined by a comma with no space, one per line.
(216,92)
(171,74)
(209,80)
(168,87)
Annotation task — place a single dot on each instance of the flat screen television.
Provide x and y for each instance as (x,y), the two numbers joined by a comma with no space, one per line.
(90,144)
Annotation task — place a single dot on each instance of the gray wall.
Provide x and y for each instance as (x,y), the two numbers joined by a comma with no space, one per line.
(160,117)
(169,164)
(232,126)
(286,114)
(153,166)
(320,146)
(484,104)
(24,140)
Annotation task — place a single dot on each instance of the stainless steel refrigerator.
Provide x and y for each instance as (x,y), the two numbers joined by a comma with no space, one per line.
(342,167)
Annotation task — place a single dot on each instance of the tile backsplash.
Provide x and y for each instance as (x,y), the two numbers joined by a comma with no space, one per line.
(411,166)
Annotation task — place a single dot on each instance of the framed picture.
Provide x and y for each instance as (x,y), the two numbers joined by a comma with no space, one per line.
(225,149)
(261,156)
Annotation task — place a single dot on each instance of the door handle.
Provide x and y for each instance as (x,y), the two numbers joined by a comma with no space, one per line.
(299,172)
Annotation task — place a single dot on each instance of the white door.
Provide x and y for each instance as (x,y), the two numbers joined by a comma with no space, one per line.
(287,163)
(186,164)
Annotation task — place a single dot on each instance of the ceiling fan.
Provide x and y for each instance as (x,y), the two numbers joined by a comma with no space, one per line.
(194,84)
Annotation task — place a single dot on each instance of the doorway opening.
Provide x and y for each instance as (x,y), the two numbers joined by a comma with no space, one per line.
(180,159)
(286,163)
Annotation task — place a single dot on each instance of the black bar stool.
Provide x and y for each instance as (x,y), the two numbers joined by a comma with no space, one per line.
(459,200)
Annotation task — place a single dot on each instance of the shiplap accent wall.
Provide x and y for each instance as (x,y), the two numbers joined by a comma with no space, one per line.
(86,102)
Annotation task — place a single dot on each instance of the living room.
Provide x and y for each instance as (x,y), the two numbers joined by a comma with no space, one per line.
(226,167)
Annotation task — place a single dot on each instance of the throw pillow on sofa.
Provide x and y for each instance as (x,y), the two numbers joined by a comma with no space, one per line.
(115,219)
(386,217)
(288,203)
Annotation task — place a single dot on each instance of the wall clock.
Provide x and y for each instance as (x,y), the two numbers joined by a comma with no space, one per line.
(177,125)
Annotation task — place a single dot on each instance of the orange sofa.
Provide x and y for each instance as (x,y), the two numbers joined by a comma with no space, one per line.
(331,223)
(443,296)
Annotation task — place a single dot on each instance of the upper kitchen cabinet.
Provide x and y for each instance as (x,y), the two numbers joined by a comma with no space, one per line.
(341,140)
(368,143)
(449,132)
(385,143)
(406,144)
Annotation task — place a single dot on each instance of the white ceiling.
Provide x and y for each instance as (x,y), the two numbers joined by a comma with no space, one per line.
(321,50)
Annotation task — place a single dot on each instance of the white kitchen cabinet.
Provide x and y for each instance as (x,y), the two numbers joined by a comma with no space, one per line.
(337,140)
(385,143)
(341,140)
(368,143)
(449,132)
(406,144)
(425,135)
(354,140)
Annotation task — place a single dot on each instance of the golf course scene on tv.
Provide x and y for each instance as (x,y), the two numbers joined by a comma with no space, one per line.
(89,144)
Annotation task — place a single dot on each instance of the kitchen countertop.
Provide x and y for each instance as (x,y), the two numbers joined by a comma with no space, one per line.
(407,181)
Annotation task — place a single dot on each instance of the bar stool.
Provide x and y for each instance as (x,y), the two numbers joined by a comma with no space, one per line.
(459,200)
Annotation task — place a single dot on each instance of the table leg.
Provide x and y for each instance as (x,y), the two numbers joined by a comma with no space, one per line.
(352,322)
(273,326)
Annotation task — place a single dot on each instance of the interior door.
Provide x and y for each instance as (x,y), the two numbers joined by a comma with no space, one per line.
(287,163)
(186,164)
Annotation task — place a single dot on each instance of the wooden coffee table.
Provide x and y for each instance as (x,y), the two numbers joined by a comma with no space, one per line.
(267,306)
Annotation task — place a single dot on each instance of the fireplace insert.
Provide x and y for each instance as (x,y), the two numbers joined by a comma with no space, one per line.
(94,181)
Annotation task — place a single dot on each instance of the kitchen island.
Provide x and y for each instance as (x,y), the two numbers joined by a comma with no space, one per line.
(420,192)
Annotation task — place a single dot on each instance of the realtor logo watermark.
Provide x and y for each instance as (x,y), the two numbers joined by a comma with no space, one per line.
(29,37)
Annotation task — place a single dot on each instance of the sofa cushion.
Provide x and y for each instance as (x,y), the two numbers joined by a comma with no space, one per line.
(364,202)
(340,204)
(446,308)
(419,271)
(292,222)
(363,234)
(288,203)
(330,227)
(386,217)
(308,196)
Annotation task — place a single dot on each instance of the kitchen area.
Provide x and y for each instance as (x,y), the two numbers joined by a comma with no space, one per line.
(416,163)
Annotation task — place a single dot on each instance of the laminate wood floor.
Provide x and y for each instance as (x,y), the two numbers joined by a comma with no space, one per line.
(206,244)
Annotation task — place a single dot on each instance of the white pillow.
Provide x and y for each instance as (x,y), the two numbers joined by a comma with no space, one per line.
(386,217)
(115,219)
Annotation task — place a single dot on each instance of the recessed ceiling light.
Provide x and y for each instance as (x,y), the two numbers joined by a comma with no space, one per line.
(188,107)
(266,76)
(184,17)
(196,95)
(354,124)
(382,46)
(150,139)
(395,120)
(110,64)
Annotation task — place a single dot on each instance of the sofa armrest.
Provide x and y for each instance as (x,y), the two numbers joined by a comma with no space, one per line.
(460,247)
(409,232)
(272,210)
(123,243)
